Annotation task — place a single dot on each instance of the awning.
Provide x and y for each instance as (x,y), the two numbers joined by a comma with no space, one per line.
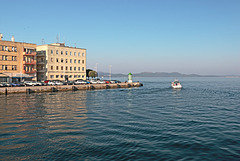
(3,75)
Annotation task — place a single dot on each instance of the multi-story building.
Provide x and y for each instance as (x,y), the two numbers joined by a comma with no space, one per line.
(17,60)
(60,62)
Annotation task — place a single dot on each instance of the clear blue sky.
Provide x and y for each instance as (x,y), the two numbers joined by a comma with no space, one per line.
(187,36)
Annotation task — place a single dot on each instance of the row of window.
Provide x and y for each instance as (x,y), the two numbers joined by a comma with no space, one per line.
(10,48)
(70,68)
(62,76)
(29,50)
(5,67)
(70,53)
(4,57)
(66,61)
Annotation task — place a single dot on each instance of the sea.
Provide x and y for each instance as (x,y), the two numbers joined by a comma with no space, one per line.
(201,121)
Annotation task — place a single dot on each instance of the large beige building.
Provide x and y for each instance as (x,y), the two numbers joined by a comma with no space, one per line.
(60,62)
(17,60)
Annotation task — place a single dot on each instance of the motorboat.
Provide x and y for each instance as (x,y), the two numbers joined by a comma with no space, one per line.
(176,84)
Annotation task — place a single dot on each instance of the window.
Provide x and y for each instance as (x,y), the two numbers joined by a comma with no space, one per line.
(70,76)
(61,52)
(82,68)
(82,76)
(57,76)
(51,67)
(79,68)
(75,68)
(82,54)
(6,67)
(66,68)
(75,76)
(14,58)
(57,60)
(61,76)
(75,53)
(56,51)
(51,76)
(51,51)
(82,61)
(79,54)
(3,67)
(56,67)
(70,68)
(61,67)
(14,67)
(79,61)
(70,60)
(61,60)
(79,76)
(75,60)
(66,61)
(66,53)
(70,53)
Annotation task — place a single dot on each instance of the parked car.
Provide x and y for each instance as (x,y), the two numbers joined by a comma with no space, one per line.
(5,84)
(50,83)
(58,83)
(93,81)
(101,82)
(15,85)
(30,83)
(68,83)
(80,82)
(107,81)
(22,84)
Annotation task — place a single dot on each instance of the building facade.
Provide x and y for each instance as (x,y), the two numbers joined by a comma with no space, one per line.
(17,60)
(60,62)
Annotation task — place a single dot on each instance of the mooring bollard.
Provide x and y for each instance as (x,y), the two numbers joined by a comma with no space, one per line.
(28,90)
(74,88)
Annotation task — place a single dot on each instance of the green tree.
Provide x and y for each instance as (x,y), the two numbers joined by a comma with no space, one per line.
(87,72)
(93,74)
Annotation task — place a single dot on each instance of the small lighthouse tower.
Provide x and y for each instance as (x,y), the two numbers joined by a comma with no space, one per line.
(129,77)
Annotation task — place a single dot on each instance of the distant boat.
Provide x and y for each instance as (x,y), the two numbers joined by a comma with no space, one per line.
(176,84)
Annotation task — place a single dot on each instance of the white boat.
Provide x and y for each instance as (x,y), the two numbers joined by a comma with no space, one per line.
(176,84)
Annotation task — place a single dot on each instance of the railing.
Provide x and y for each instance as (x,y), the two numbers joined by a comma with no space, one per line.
(40,62)
(41,70)
(29,72)
(30,54)
(29,63)
(41,54)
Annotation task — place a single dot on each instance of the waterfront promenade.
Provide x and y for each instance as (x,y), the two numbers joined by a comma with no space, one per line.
(39,89)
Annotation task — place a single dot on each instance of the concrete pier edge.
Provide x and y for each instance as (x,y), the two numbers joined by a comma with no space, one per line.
(41,89)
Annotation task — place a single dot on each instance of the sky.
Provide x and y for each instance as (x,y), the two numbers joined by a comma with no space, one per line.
(186,36)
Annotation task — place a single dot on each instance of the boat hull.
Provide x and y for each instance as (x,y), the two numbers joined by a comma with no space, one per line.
(177,87)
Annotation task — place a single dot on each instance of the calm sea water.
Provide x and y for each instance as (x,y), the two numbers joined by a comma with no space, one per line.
(153,122)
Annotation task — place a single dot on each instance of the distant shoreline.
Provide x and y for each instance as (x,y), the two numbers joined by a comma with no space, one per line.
(165,74)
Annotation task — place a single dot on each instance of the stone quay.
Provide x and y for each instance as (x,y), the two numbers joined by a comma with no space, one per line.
(40,89)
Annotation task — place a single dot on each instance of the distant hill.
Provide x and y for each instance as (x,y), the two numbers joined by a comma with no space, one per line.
(156,74)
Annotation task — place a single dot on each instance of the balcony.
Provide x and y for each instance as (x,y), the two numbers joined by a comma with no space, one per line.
(41,70)
(29,72)
(40,62)
(29,54)
(29,63)
(41,54)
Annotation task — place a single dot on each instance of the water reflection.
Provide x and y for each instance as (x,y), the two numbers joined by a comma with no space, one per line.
(29,120)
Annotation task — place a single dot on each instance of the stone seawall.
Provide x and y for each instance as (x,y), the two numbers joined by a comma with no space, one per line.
(39,89)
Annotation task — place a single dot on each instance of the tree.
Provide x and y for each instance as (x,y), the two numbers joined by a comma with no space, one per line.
(93,74)
(87,72)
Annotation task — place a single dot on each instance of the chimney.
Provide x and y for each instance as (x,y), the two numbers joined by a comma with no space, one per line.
(1,36)
(13,39)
